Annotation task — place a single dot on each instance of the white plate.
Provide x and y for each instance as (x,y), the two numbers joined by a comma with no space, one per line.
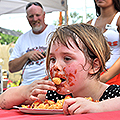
(41,111)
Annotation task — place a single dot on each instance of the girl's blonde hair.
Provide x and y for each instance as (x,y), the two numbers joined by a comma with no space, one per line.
(94,44)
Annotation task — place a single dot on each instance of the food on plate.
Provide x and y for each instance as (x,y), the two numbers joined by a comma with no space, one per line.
(57,80)
(50,104)
(47,104)
(91,99)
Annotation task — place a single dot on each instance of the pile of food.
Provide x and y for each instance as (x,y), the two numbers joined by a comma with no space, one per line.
(50,104)
(47,104)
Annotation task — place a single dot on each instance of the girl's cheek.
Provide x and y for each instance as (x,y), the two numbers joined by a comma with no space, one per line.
(71,74)
(51,70)
(54,72)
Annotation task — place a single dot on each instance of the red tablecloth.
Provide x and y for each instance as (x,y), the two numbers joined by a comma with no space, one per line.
(15,114)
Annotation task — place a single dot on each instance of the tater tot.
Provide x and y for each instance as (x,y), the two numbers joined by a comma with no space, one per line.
(57,80)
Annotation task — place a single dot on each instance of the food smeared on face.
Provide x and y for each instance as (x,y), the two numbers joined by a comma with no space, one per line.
(61,84)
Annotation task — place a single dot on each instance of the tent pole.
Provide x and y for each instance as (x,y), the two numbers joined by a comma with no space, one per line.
(60,18)
(66,14)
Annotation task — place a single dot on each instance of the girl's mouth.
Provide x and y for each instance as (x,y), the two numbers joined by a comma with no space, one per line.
(58,81)
(63,87)
(62,79)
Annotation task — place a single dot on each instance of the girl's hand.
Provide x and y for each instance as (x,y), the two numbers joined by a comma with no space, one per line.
(80,105)
(39,88)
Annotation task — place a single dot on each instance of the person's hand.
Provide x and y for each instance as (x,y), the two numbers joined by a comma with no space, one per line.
(35,55)
(37,88)
(80,106)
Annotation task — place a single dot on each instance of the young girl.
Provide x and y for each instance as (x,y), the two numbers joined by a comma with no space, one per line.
(77,54)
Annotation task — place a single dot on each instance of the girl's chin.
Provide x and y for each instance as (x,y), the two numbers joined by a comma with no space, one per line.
(63,88)
(63,91)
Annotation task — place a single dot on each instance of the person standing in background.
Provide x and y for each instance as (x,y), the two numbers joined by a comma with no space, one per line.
(108,21)
(28,53)
(111,72)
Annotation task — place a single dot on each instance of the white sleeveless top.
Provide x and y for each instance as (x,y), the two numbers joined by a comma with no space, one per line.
(112,36)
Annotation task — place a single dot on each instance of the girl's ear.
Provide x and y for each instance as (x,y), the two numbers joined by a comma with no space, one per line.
(95,66)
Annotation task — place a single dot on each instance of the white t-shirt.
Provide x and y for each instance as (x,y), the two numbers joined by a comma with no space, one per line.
(34,70)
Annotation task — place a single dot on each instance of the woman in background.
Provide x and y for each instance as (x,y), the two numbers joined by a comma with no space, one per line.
(111,72)
(108,21)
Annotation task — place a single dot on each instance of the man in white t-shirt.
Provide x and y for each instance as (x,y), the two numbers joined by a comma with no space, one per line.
(28,54)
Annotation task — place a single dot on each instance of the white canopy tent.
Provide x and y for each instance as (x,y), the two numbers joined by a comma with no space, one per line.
(11,6)
(18,6)
(52,5)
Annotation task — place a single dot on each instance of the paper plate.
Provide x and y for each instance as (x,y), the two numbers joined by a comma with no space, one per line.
(41,111)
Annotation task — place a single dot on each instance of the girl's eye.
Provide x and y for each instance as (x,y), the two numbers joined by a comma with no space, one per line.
(52,59)
(67,58)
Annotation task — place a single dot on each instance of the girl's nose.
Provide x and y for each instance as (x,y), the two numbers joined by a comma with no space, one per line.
(57,67)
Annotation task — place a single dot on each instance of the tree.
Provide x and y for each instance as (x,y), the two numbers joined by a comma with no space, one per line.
(6,39)
(90,16)
(75,17)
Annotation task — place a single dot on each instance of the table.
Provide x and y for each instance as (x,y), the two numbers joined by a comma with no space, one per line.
(15,114)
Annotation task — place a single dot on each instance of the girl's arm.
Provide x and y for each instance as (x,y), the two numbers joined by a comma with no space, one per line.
(26,94)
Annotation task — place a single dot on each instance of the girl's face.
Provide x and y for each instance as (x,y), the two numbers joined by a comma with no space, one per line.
(68,64)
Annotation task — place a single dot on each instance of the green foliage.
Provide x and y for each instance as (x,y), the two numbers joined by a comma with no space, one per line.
(74,17)
(19,31)
(6,39)
(90,16)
